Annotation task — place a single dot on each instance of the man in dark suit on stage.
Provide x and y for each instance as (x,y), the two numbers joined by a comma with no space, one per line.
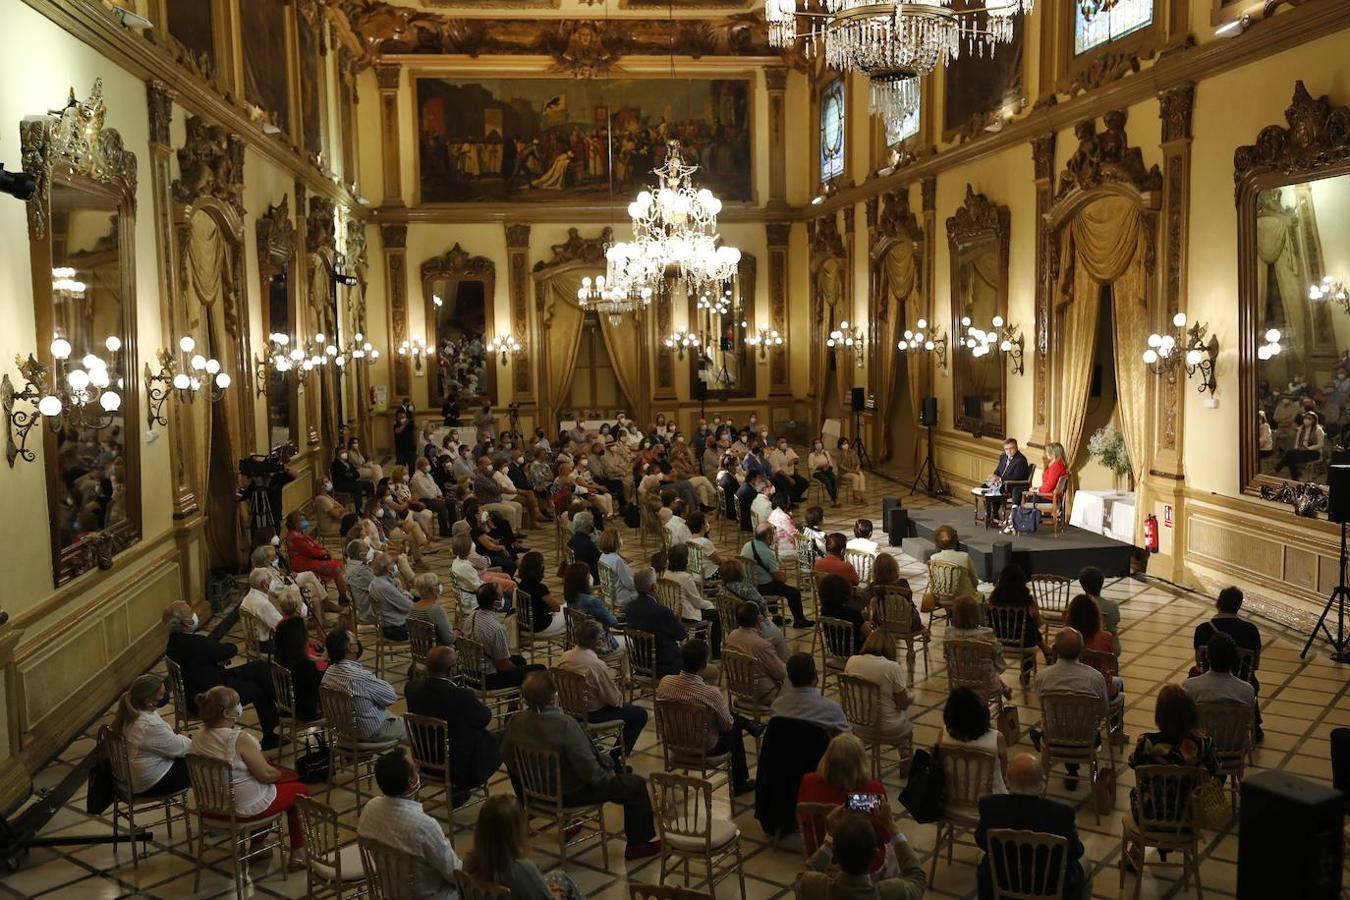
(1014,470)
(1024,809)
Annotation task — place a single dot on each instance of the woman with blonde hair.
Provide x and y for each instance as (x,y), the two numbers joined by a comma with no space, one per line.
(260,789)
(610,543)
(1056,467)
(876,663)
(843,771)
(500,845)
(157,755)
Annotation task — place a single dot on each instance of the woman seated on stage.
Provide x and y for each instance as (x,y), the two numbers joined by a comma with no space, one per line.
(1056,467)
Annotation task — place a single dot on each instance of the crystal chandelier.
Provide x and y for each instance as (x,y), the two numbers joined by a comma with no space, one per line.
(891,42)
(612,298)
(674,229)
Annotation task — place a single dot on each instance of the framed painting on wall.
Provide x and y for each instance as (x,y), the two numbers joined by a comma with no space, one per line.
(833,122)
(533,139)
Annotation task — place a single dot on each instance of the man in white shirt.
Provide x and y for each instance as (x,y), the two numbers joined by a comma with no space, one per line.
(676,526)
(1219,684)
(1069,676)
(761,506)
(698,534)
(783,461)
(398,820)
(862,537)
(258,604)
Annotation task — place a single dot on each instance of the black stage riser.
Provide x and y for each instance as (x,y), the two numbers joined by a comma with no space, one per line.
(1042,553)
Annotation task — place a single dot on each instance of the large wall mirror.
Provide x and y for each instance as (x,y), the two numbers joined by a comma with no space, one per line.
(1294,246)
(724,365)
(81,225)
(977,238)
(276,268)
(458,290)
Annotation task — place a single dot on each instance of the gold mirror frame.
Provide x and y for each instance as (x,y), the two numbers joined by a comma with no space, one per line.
(71,147)
(276,256)
(977,222)
(454,266)
(746,277)
(1314,146)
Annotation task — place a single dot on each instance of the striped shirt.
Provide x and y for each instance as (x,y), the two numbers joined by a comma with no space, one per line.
(687,688)
(371,695)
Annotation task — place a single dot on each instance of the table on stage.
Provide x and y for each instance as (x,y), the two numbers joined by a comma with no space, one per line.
(1108,513)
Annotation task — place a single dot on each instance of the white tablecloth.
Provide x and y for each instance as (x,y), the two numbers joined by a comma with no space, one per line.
(1109,513)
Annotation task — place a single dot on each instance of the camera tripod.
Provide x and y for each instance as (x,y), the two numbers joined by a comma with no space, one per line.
(863,459)
(1338,597)
(928,474)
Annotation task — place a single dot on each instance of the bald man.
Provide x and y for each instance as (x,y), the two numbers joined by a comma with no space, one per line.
(1069,675)
(475,752)
(1024,808)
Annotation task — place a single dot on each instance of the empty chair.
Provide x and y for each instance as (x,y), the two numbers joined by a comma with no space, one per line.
(970,664)
(332,868)
(1052,593)
(641,664)
(688,831)
(969,776)
(182,715)
(1027,865)
(1162,820)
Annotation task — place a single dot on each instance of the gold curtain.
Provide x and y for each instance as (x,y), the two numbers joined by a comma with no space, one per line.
(828,285)
(624,342)
(899,279)
(561,326)
(1106,244)
(1277,248)
(205,264)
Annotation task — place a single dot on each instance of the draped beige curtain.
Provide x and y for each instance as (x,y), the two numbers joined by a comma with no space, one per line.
(624,342)
(561,326)
(828,283)
(1277,249)
(899,281)
(1106,243)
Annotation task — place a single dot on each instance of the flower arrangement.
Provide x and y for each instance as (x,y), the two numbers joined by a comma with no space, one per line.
(1107,446)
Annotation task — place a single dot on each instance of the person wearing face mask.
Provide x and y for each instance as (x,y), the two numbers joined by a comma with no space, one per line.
(405,437)
(488,492)
(369,469)
(1308,441)
(427,607)
(428,492)
(393,603)
(158,756)
(267,557)
(526,499)
(711,459)
(783,463)
(685,469)
(484,625)
(485,423)
(328,512)
(260,789)
(202,661)
(463,467)
(606,470)
(821,465)
(308,555)
(404,505)
(850,469)
(371,695)
(345,476)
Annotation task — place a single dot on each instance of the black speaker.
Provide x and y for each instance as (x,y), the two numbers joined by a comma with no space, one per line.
(888,504)
(1297,822)
(700,390)
(859,399)
(1338,499)
(1001,558)
(897,525)
(928,414)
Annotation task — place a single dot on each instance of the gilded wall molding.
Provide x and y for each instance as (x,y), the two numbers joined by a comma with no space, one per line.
(1104,158)
(210,164)
(1174,108)
(1043,162)
(577,249)
(778,235)
(1318,135)
(518,284)
(458,263)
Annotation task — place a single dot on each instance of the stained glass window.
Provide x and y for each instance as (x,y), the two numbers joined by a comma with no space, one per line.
(898,130)
(1108,25)
(832,121)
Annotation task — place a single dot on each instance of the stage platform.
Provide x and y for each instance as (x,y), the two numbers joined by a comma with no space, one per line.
(1042,553)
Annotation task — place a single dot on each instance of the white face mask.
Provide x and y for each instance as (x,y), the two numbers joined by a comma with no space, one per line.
(238,711)
(195,623)
(370,554)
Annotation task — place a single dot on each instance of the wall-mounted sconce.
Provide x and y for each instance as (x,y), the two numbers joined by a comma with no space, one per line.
(438,300)
(281,358)
(340,274)
(505,346)
(1166,351)
(185,377)
(417,349)
(363,349)
(1271,348)
(924,341)
(1331,290)
(680,341)
(850,337)
(764,340)
(1004,338)
(80,396)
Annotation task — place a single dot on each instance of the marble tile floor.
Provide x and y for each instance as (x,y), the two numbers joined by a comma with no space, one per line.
(1302,701)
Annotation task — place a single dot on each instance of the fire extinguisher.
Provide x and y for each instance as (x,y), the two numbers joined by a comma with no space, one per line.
(1151,533)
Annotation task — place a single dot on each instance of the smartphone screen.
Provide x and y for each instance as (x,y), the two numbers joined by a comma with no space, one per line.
(862,802)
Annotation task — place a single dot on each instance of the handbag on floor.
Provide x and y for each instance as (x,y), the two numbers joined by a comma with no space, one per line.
(312,766)
(1026,519)
(1104,790)
(922,795)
